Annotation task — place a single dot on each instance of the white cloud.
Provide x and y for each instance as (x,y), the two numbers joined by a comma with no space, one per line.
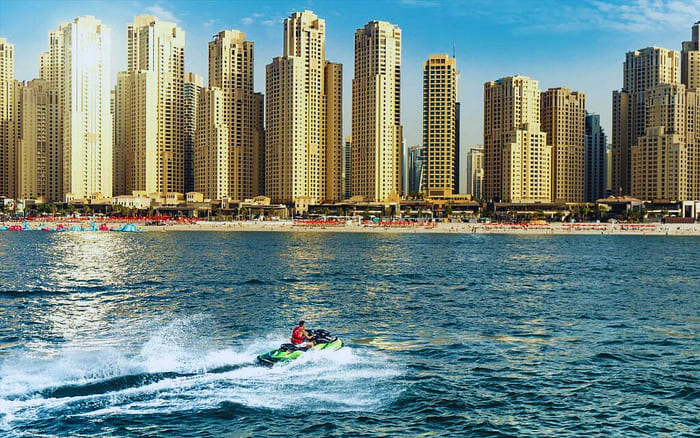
(247,20)
(162,13)
(420,3)
(210,23)
(619,15)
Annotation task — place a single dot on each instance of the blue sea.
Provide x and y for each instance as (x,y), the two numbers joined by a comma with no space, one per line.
(156,335)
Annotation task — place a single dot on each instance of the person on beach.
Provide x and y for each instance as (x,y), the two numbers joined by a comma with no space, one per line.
(300,337)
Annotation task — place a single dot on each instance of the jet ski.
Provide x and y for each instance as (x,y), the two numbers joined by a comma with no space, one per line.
(323,340)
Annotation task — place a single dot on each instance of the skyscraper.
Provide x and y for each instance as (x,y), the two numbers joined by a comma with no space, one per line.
(347,168)
(376,112)
(212,148)
(440,126)
(596,171)
(564,120)
(192,87)
(665,161)
(40,158)
(415,169)
(151,107)
(643,69)
(517,159)
(303,138)
(52,70)
(9,115)
(85,44)
(690,60)
(475,173)
(231,71)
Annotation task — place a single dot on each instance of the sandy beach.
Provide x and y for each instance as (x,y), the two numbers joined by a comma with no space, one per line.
(556,228)
(651,229)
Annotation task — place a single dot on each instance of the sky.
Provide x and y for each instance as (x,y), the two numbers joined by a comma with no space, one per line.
(578,44)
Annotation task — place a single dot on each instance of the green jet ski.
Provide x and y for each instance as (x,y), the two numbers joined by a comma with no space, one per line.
(323,340)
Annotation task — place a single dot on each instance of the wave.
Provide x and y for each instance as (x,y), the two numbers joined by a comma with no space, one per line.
(169,373)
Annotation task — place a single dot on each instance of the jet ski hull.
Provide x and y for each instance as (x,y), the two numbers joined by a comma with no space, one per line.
(288,352)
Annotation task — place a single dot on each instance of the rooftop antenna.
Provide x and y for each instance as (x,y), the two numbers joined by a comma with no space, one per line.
(454,50)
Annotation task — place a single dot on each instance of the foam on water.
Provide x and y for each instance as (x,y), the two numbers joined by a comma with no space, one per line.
(171,372)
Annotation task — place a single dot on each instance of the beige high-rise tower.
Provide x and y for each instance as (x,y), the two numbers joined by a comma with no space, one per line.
(666,160)
(643,69)
(212,149)
(10,91)
(440,119)
(87,121)
(517,159)
(151,108)
(232,118)
(52,71)
(192,88)
(40,166)
(7,142)
(303,137)
(563,115)
(376,112)
(690,60)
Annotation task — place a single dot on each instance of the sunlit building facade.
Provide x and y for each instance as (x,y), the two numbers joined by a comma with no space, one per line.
(440,126)
(303,137)
(40,157)
(8,120)
(231,71)
(643,70)
(151,112)
(564,120)
(690,60)
(475,173)
(376,112)
(517,158)
(87,120)
(666,160)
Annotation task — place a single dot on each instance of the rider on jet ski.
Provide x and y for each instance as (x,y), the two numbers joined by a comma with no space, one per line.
(299,336)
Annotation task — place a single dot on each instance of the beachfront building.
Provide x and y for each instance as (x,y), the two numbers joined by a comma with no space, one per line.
(440,126)
(9,120)
(643,69)
(347,168)
(211,153)
(376,112)
(151,109)
(690,60)
(192,87)
(595,175)
(415,169)
(666,160)
(475,173)
(229,155)
(77,67)
(563,114)
(517,158)
(303,137)
(39,164)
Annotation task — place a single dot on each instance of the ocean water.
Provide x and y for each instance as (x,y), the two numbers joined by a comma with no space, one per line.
(156,334)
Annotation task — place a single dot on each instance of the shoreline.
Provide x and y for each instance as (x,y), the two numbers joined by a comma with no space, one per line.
(557,228)
(443,228)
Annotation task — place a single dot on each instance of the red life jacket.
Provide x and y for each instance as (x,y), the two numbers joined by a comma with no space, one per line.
(297,337)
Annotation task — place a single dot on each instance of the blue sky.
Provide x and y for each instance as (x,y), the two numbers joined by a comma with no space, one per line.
(577,44)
